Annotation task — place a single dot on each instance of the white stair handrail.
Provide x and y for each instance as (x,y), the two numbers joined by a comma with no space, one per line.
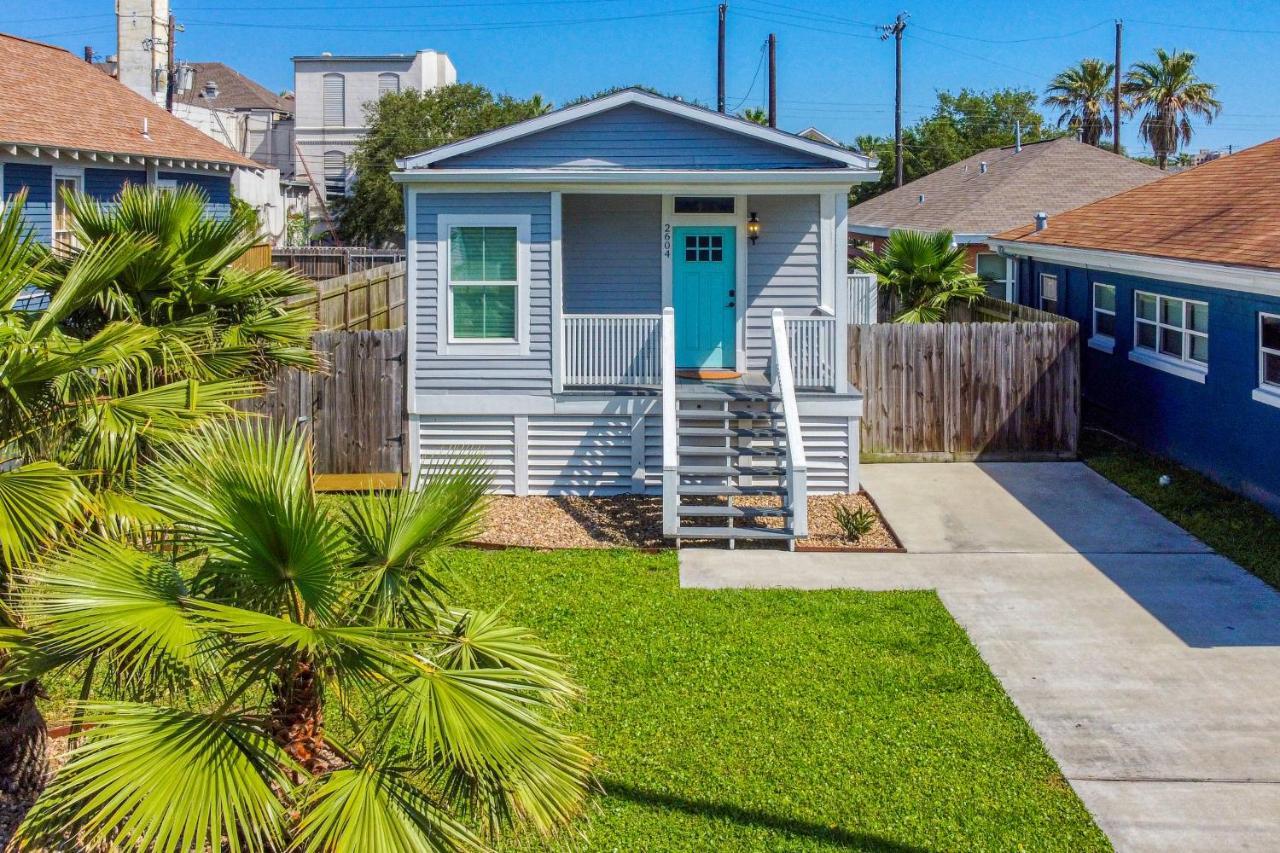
(670,457)
(797,467)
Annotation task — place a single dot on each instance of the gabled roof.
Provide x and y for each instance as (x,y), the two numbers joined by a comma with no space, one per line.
(1048,176)
(55,101)
(565,115)
(235,91)
(817,136)
(1226,211)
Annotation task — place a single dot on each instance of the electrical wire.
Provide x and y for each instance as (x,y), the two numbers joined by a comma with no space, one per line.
(754,78)
(484,27)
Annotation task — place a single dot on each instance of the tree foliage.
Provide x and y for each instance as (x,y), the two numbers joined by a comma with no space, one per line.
(405,123)
(286,675)
(961,125)
(1084,96)
(1169,94)
(923,274)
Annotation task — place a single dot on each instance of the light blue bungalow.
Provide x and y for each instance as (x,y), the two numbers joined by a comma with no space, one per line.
(638,295)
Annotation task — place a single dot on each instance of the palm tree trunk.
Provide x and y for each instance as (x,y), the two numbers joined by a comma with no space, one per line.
(23,737)
(297,718)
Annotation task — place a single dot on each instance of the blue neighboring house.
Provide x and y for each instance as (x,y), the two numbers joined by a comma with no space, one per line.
(66,125)
(1176,286)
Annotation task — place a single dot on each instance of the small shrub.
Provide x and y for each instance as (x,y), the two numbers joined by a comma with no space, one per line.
(856,523)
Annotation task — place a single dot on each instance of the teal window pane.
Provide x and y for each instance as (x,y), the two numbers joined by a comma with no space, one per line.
(990,267)
(482,253)
(1198,317)
(1171,312)
(1199,349)
(1104,297)
(484,312)
(1145,306)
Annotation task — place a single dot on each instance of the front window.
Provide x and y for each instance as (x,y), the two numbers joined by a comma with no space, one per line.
(1049,293)
(1172,328)
(64,238)
(484,282)
(1269,352)
(1104,313)
(991,268)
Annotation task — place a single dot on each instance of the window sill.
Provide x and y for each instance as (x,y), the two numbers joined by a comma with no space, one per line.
(1267,395)
(1186,370)
(1103,344)
(468,349)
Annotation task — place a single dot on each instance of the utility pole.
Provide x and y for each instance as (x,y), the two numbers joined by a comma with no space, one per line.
(724,7)
(171,82)
(773,80)
(895,29)
(1115,107)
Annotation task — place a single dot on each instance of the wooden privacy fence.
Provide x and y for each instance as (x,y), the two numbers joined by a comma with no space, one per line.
(257,258)
(354,407)
(965,391)
(321,262)
(360,302)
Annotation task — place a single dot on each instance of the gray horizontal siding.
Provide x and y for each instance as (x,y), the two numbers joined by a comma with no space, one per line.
(612,262)
(826,450)
(637,137)
(464,374)
(38,182)
(783,268)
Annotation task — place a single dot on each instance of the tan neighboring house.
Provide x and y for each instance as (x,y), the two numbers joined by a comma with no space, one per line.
(993,191)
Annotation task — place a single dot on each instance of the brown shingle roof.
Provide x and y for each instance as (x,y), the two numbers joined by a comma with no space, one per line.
(1226,211)
(235,91)
(56,100)
(1051,176)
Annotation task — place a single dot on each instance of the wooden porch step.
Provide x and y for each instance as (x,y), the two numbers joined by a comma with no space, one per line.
(725,511)
(747,532)
(729,471)
(732,432)
(695,392)
(725,490)
(726,414)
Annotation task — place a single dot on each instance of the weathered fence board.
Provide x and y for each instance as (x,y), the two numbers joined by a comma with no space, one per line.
(360,302)
(961,391)
(321,262)
(354,407)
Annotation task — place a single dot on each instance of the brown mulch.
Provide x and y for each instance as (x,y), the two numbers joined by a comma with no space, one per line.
(635,521)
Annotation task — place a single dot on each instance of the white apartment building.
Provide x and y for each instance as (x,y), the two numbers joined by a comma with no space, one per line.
(330,96)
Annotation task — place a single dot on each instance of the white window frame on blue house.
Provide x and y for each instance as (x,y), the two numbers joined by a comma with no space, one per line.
(1266,392)
(75,174)
(1184,366)
(449,344)
(1101,340)
(1057,294)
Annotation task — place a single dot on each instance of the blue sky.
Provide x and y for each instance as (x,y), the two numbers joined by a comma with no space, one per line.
(833,72)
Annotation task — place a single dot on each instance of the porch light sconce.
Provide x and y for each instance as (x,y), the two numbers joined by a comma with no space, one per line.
(753,228)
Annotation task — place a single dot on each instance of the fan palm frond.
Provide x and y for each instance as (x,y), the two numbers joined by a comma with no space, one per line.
(37,500)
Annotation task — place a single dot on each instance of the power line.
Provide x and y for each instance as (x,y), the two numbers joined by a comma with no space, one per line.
(754,78)
(1053,37)
(488,26)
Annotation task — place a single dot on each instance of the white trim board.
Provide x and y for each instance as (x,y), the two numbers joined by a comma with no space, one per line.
(1242,279)
(589,403)
(446,344)
(566,115)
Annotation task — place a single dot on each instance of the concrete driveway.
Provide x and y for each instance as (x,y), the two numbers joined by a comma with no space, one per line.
(1149,665)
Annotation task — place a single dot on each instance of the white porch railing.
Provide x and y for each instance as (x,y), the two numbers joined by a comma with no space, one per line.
(612,349)
(813,351)
(797,475)
(864,298)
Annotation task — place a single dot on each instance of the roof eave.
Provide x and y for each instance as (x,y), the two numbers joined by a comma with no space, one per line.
(685,177)
(97,155)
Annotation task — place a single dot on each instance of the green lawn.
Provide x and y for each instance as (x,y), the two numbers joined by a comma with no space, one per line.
(778,720)
(1230,524)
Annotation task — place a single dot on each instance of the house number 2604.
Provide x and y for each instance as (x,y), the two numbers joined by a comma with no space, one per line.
(666,240)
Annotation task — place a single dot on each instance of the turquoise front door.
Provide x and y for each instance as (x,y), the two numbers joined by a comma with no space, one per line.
(702,284)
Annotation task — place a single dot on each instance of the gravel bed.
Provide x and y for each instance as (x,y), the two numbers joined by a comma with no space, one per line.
(635,521)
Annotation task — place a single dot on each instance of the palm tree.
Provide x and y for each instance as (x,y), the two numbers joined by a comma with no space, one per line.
(1171,94)
(923,274)
(1084,94)
(76,412)
(285,674)
(215,319)
(755,114)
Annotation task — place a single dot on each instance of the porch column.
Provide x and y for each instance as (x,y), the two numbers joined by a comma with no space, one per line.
(557,293)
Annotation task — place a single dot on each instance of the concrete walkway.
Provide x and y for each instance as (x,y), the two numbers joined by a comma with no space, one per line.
(1149,665)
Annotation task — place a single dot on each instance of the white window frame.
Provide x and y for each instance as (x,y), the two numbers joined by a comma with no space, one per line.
(167,185)
(61,173)
(1186,367)
(1003,280)
(389,75)
(1057,292)
(1101,340)
(1266,392)
(447,344)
